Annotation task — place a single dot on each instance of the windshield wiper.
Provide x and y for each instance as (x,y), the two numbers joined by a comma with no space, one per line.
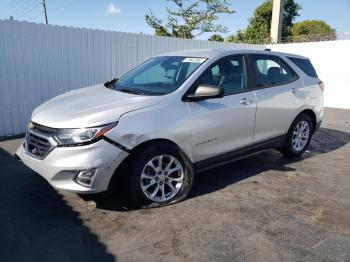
(131,91)
(109,83)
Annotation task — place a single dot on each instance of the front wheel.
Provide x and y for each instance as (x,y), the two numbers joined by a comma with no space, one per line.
(158,175)
(299,136)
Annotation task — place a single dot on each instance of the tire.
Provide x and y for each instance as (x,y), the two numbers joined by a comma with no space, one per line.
(296,143)
(145,172)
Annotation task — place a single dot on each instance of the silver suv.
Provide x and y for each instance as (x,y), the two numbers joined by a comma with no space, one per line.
(176,114)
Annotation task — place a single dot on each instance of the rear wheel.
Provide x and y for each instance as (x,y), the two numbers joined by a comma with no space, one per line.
(158,175)
(299,136)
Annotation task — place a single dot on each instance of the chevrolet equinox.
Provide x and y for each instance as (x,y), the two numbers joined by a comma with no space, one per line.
(172,116)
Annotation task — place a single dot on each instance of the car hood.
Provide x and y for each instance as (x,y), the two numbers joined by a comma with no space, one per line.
(88,107)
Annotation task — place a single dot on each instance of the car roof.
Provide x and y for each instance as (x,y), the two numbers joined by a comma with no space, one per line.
(219,52)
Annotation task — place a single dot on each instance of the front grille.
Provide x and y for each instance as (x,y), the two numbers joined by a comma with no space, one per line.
(43,129)
(39,140)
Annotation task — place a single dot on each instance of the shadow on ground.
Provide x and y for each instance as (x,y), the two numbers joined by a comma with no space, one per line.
(36,224)
(324,141)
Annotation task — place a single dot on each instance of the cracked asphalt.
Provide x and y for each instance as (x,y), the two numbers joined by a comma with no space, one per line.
(263,208)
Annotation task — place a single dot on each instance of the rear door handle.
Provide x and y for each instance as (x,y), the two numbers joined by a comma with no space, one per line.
(292,90)
(246,101)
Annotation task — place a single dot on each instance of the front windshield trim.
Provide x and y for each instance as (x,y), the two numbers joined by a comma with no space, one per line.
(173,86)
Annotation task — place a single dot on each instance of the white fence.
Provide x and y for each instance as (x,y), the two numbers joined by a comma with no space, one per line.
(331,60)
(40,61)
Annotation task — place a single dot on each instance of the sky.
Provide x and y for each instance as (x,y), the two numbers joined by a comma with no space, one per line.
(128,15)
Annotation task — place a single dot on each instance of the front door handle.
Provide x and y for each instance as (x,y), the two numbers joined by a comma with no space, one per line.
(292,90)
(246,101)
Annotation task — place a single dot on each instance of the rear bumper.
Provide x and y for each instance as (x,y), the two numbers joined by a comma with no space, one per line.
(62,164)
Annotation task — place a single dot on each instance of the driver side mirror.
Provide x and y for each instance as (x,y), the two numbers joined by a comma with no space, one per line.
(204,92)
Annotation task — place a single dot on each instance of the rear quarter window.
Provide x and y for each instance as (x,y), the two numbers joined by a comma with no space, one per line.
(271,70)
(305,65)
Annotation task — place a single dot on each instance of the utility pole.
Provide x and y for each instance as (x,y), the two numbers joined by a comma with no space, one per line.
(44,5)
(276,21)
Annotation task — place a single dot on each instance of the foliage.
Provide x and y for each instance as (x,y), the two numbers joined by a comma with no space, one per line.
(190,18)
(312,30)
(217,38)
(258,30)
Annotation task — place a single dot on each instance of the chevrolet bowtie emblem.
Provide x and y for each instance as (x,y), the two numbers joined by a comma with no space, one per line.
(34,150)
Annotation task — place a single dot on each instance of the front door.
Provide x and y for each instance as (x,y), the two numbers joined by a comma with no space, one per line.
(222,125)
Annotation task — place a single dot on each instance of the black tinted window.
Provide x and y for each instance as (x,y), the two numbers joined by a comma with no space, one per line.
(228,73)
(271,70)
(305,65)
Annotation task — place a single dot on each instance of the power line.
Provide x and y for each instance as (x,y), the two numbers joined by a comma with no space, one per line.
(24,12)
(29,10)
(63,6)
(39,14)
(28,7)
(10,6)
(59,8)
(23,8)
(35,17)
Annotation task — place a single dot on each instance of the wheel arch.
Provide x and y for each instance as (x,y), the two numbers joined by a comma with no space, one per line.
(311,114)
(156,141)
(120,172)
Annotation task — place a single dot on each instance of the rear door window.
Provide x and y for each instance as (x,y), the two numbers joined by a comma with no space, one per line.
(271,70)
(305,65)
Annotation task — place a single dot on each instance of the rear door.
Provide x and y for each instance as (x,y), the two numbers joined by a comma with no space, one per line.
(280,94)
(222,125)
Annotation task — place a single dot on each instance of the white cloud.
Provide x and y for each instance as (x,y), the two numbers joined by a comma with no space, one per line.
(112,9)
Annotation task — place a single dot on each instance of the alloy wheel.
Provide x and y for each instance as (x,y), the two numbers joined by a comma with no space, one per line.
(162,178)
(301,135)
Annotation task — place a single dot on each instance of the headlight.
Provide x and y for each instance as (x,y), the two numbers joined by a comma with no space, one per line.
(78,136)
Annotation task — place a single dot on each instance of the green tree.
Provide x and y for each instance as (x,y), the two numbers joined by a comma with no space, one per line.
(217,38)
(312,30)
(190,18)
(258,30)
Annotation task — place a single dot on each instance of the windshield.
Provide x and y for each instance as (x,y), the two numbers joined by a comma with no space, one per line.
(157,76)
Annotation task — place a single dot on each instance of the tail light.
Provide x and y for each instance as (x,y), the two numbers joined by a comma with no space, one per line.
(321,85)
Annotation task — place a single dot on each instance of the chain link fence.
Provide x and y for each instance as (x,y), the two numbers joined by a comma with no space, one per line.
(300,39)
(315,38)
